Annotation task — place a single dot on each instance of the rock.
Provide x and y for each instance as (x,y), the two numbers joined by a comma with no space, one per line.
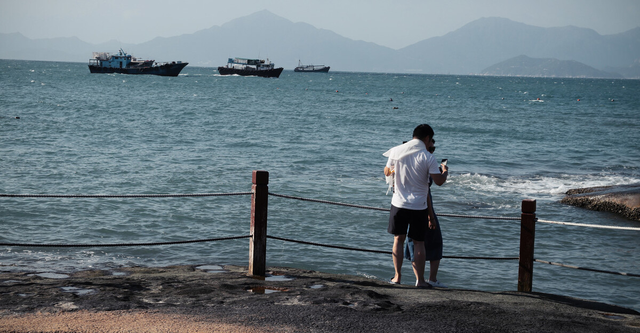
(190,299)
(620,199)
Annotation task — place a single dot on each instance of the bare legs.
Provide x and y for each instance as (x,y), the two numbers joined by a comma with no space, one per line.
(398,256)
(433,270)
(418,263)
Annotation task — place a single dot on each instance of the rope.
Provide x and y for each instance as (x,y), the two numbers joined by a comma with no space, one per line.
(585,269)
(591,225)
(377,251)
(504,218)
(124,244)
(386,209)
(331,246)
(328,202)
(482,217)
(121,195)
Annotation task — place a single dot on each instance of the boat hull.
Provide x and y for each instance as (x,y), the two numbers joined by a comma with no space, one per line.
(275,72)
(315,70)
(162,70)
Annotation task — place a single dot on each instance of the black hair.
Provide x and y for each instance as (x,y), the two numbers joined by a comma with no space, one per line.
(423,131)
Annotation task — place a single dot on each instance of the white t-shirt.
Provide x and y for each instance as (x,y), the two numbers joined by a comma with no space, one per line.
(411,175)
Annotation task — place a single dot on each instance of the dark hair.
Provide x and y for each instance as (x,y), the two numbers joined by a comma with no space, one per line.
(423,131)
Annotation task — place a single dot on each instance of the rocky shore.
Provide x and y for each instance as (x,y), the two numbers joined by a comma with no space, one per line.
(621,199)
(224,299)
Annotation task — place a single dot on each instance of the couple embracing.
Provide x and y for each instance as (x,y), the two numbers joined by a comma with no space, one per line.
(410,168)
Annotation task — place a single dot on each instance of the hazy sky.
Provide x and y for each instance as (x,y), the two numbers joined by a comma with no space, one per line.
(392,23)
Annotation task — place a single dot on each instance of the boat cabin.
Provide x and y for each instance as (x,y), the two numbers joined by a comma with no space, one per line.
(242,63)
(104,59)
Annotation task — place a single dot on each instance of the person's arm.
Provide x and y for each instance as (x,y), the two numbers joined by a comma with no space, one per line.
(440,178)
(432,218)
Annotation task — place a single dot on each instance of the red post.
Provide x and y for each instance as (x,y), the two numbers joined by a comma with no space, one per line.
(258,245)
(527,240)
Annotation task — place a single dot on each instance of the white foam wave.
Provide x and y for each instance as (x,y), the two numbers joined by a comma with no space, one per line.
(555,185)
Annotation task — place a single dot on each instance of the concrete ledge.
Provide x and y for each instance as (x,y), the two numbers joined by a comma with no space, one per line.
(622,199)
(214,298)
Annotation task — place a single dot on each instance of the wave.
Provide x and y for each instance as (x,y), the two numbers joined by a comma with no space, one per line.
(537,185)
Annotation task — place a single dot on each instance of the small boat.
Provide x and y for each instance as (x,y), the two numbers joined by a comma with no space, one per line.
(250,67)
(311,68)
(123,63)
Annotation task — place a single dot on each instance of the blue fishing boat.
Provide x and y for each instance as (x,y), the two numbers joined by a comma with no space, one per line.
(123,63)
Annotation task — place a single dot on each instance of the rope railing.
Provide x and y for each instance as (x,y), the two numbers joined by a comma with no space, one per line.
(455,216)
(328,202)
(125,244)
(258,243)
(121,195)
(503,218)
(124,196)
(377,251)
(590,225)
(586,268)
(387,209)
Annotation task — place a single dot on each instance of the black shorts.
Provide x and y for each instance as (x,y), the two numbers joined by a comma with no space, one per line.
(415,220)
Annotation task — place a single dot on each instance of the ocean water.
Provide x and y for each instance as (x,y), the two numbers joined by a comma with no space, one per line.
(319,136)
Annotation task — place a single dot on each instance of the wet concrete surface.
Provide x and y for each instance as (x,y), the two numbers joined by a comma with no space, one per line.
(223,298)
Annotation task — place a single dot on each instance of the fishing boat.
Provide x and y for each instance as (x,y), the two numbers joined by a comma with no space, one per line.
(250,67)
(123,63)
(311,68)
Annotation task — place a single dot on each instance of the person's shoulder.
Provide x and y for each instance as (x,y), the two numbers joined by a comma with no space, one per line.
(426,155)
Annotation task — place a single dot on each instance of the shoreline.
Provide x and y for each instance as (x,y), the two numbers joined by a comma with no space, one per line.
(194,298)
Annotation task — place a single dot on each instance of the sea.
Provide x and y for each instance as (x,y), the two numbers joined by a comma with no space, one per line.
(320,136)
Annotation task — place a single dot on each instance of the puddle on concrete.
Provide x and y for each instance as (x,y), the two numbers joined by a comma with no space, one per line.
(211,268)
(78,291)
(265,290)
(316,286)
(51,275)
(613,316)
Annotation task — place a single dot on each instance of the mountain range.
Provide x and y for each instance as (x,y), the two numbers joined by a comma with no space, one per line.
(471,49)
(546,67)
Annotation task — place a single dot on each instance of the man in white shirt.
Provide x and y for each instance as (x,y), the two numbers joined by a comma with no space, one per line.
(410,165)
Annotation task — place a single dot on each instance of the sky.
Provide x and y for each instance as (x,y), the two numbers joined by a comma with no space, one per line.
(391,23)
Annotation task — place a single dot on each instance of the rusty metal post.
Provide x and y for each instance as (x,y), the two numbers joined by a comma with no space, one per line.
(527,240)
(259,202)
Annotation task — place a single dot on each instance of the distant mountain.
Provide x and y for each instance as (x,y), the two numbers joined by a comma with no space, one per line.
(266,35)
(468,50)
(545,67)
(487,41)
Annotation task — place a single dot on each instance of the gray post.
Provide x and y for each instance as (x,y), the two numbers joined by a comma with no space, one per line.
(259,202)
(527,240)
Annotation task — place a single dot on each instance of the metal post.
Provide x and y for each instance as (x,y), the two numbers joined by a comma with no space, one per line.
(259,202)
(527,240)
